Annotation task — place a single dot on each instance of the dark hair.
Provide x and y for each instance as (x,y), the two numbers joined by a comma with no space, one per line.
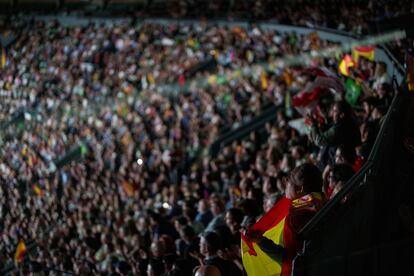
(213,241)
(188,231)
(348,153)
(342,172)
(157,266)
(182,220)
(387,87)
(237,214)
(225,235)
(371,128)
(344,107)
(308,176)
(273,183)
(250,207)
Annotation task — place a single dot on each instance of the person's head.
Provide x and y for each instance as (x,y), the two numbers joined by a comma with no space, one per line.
(217,206)
(123,268)
(187,233)
(304,179)
(270,185)
(340,111)
(207,270)
(384,90)
(345,155)
(380,68)
(180,222)
(378,112)
(158,248)
(368,104)
(250,207)
(210,243)
(234,218)
(338,176)
(281,184)
(203,206)
(369,131)
(155,267)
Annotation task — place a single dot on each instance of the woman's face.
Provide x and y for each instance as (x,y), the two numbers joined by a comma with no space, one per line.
(339,158)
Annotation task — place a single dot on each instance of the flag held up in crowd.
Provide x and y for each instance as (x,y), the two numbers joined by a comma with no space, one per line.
(346,63)
(306,101)
(367,52)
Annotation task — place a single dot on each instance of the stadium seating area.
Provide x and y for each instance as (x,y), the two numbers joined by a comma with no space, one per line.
(102,172)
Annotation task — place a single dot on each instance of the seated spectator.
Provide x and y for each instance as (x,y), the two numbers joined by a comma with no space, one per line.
(204,214)
(369,131)
(210,244)
(217,209)
(338,175)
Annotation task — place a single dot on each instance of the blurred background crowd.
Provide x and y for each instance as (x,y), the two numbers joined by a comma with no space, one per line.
(144,195)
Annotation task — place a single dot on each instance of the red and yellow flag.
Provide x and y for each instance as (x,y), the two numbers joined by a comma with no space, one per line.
(279,225)
(346,63)
(367,52)
(272,225)
(20,252)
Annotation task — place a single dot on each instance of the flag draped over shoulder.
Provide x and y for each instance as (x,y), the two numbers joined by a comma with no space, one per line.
(279,225)
(20,252)
(272,225)
(367,52)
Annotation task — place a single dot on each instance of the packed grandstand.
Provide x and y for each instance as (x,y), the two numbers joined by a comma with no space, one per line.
(104,170)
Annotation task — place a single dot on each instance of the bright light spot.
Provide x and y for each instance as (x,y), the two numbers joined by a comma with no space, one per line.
(139,161)
(166,205)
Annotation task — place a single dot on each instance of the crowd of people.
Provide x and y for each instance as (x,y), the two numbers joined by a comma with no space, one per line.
(354,16)
(147,197)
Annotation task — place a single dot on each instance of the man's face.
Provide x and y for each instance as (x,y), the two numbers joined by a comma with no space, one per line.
(336,114)
(203,246)
(339,158)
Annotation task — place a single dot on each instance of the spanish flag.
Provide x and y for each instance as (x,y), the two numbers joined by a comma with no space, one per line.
(346,63)
(367,52)
(20,252)
(279,225)
(272,225)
